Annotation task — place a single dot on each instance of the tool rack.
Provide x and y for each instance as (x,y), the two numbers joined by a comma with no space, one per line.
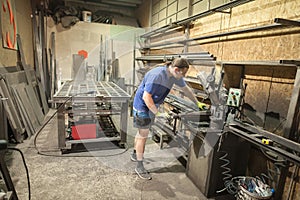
(90,98)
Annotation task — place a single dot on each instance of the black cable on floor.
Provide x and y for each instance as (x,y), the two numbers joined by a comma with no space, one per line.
(27,172)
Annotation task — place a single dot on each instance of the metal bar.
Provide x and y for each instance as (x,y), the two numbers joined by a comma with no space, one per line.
(248,30)
(124,122)
(254,140)
(286,22)
(192,56)
(291,122)
(181,43)
(259,63)
(290,128)
(160,30)
(35,39)
(104,139)
(134,64)
(276,138)
(61,136)
(100,70)
(290,62)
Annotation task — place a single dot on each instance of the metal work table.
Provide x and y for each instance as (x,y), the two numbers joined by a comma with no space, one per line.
(85,98)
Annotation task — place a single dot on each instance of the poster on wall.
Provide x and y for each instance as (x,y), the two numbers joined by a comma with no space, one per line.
(9,24)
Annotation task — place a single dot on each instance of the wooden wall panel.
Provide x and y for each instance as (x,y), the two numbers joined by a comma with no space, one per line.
(264,45)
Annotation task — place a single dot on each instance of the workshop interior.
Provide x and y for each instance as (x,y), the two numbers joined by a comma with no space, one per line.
(69,70)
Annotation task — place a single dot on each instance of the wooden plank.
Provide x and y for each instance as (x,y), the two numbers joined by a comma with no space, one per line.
(24,115)
(40,93)
(15,77)
(35,104)
(27,105)
(11,111)
(3,121)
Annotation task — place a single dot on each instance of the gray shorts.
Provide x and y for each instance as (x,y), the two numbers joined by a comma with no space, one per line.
(142,119)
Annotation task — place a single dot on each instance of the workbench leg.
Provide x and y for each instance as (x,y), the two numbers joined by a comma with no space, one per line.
(124,122)
(61,127)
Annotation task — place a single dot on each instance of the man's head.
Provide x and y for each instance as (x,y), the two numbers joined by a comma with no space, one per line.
(180,66)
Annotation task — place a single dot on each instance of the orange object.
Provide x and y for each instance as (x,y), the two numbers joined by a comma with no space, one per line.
(3,7)
(83,53)
(84,131)
(10,44)
(11,15)
(8,41)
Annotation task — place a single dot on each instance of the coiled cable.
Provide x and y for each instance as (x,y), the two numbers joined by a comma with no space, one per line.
(229,184)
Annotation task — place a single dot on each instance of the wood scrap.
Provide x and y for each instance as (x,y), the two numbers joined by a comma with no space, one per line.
(20,89)
(24,115)
(11,112)
(35,104)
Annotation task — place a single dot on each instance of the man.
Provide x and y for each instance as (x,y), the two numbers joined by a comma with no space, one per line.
(152,91)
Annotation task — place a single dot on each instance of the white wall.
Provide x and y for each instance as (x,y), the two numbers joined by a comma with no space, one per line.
(86,36)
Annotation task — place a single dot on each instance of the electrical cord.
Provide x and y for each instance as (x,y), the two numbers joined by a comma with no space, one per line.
(229,182)
(26,168)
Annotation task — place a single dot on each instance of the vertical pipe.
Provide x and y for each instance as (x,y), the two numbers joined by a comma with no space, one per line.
(134,55)
(101,59)
(290,129)
(105,58)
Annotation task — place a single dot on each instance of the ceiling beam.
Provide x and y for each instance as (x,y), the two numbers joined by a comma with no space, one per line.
(118,3)
(107,8)
(127,3)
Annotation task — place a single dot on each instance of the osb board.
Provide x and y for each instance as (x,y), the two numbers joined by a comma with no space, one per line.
(267,94)
(262,45)
(295,184)
(167,51)
(232,76)
(251,14)
(269,48)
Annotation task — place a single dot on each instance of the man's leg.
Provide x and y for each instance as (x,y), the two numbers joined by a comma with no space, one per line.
(140,142)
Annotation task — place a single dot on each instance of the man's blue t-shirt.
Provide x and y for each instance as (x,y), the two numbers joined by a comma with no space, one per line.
(158,84)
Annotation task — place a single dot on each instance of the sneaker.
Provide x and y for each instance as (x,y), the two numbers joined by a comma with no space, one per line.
(133,157)
(143,173)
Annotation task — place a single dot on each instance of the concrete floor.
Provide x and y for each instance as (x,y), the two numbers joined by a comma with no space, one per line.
(97,174)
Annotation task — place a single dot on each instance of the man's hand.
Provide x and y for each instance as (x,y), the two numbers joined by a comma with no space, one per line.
(202,106)
(162,115)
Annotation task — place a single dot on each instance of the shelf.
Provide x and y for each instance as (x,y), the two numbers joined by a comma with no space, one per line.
(284,63)
(203,56)
(195,17)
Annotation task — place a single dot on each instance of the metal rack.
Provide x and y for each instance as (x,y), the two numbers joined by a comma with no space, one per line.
(192,18)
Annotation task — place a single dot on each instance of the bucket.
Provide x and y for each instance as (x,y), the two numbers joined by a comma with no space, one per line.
(87,16)
(250,188)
